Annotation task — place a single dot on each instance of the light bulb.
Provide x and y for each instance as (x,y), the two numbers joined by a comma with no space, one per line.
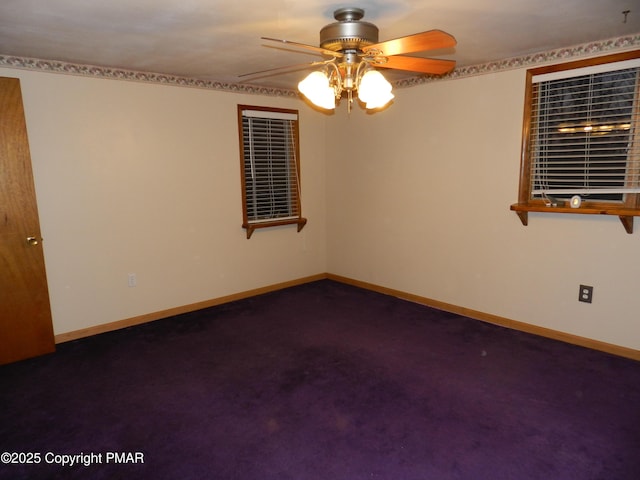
(380,101)
(316,88)
(374,90)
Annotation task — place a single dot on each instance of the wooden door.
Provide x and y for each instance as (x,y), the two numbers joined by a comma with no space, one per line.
(26,328)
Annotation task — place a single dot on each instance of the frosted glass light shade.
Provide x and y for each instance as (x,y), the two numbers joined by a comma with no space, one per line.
(374,90)
(316,88)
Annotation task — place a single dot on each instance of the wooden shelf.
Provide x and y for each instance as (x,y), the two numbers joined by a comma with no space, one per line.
(625,214)
(251,227)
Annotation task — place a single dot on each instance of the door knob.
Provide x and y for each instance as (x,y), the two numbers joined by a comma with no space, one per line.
(33,241)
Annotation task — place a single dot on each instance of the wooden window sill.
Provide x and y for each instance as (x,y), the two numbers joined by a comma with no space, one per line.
(251,227)
(625,214)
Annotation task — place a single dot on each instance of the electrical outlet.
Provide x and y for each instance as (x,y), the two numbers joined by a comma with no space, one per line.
(133,281)
(586,294)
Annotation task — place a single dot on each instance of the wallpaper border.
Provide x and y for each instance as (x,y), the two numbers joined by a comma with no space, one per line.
(111,73)
(558,55)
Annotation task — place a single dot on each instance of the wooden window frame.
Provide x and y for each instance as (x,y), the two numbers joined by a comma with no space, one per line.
(625,210)
(249,224)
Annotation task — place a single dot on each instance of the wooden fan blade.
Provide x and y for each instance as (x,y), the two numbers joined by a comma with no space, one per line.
(419,42)
(322,51)
(285,69)
(418,64)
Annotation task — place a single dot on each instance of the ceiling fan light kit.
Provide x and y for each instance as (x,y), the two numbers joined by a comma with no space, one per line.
(355,54)
(322,88)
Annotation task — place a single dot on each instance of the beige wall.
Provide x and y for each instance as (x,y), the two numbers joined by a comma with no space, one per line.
(145,179)
(418,200)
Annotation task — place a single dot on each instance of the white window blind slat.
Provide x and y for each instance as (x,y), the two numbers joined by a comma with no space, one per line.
(593,69)
(268,114)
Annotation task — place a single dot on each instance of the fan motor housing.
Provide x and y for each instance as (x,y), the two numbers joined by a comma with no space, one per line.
(348,33)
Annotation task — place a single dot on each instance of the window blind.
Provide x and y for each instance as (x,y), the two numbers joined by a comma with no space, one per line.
(270,166)
(584,135)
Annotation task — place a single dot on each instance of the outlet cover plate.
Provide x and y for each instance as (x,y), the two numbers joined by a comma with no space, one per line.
(586,293)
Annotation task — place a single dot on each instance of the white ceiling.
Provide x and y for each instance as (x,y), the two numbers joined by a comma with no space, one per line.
(219,40)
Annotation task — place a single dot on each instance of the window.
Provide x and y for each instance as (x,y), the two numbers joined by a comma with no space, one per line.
(269,161)
(581,139)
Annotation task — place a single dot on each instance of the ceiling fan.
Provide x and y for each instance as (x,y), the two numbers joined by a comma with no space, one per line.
(354,55)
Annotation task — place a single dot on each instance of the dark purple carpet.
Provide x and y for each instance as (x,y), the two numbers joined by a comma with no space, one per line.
(322,381)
